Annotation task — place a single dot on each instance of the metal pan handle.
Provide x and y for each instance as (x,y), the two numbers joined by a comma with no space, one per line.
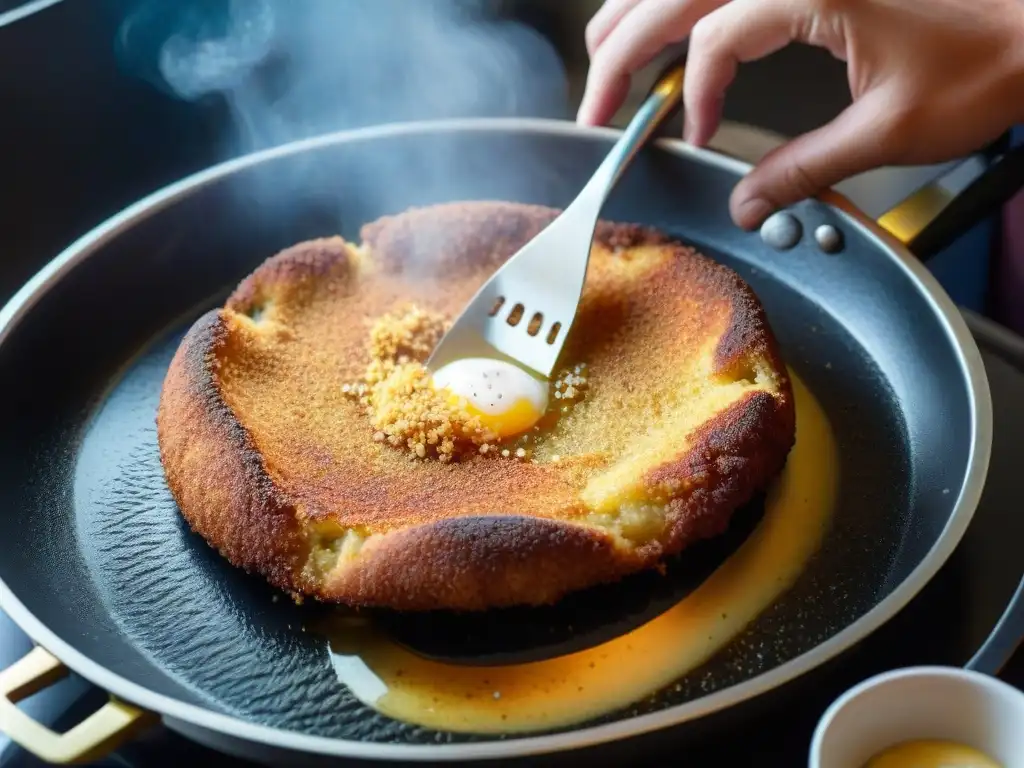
(938,213)
(24,10)
(96,736)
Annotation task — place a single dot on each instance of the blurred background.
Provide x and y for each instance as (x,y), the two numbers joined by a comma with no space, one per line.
(104,101)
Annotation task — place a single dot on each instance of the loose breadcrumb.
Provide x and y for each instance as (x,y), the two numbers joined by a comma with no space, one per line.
(408,413)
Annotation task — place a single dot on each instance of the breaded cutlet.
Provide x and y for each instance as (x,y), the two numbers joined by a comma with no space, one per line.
(688,414)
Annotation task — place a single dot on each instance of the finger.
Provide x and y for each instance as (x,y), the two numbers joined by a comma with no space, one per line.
(854,142)
(743,30)
(604,21)
(638,37)
(599,106)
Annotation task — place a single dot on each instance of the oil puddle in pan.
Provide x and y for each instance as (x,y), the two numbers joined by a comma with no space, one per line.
(563,690)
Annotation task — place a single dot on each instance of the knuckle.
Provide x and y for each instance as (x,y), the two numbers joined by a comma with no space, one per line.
(799,181)
(603,66)
(899,127)
(703,34)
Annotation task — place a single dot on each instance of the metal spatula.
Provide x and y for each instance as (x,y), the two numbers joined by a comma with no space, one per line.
(525,310)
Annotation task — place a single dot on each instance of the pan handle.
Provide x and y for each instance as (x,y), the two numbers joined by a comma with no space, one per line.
(96,736)
(934,216)
(938,213)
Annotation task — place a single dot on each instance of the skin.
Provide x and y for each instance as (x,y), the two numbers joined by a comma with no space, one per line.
(931,80)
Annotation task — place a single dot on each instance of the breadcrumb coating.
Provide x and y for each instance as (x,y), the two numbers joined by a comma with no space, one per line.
(406,411)
(688,412)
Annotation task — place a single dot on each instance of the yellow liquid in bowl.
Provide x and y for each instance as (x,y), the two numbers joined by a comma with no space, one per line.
(931,754)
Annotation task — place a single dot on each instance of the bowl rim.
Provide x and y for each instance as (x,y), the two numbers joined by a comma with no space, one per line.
(975,679)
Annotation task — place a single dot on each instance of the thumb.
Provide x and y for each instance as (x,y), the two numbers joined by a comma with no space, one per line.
(854,142)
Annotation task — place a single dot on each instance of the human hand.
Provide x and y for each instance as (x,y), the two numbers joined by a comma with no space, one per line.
(931,80)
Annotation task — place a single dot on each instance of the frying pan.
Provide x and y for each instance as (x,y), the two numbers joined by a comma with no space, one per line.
(99,569)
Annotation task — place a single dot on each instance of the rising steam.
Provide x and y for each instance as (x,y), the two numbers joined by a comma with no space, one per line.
(289,69)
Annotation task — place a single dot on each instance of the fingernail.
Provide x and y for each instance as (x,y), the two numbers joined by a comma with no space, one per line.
(752,213)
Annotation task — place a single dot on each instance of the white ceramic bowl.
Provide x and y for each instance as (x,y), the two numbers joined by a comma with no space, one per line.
(946,703)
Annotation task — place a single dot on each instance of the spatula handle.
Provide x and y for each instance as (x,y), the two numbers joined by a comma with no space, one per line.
(665,97)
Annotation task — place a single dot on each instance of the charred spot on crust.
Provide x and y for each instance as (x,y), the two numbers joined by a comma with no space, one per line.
(479,562)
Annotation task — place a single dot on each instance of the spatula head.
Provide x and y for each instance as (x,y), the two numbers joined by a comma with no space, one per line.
(523,313)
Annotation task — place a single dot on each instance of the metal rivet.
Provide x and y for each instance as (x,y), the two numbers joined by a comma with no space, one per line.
(829,239)
(781,231)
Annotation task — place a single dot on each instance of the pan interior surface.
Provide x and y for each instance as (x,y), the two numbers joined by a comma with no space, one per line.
(94,545)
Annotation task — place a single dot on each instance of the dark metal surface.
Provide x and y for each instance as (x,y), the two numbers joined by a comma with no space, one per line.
(93,534)
(954,616)
(197,606)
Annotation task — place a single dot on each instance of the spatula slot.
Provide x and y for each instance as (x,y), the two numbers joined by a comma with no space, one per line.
(553,333)
(536,322)
(516,314)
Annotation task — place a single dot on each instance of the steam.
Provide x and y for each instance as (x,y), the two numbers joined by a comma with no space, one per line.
(289,69)
(292,69)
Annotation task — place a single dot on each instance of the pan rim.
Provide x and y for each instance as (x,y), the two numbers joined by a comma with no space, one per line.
(236,728)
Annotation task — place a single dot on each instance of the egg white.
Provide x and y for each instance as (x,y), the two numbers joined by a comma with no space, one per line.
(493,387)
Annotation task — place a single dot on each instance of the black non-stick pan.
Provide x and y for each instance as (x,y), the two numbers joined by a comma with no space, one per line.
(100,570)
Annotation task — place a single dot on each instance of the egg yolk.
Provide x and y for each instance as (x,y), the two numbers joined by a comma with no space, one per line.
(520,416)
(931,754)
(503,397)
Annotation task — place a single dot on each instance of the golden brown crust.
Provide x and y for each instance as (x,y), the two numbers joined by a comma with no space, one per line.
(412,241)
(487,234)
(475,563)
(731,457)
(213,469)
(489,533)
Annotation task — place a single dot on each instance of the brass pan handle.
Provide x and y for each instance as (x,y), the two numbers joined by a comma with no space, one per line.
(935,215)
(96,736)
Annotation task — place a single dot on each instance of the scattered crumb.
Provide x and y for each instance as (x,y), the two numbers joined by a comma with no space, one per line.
(404,409)
(407,413)
(407,335)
